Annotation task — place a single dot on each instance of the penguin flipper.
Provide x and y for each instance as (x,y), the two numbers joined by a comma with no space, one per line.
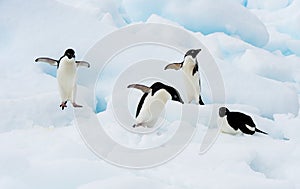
(247,129)
(174,66)
(143,88)
(82,63)
(47,60)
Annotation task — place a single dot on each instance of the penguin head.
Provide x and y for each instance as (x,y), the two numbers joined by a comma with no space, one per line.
(223,111)
(193,53)
(172,91)
(175,95)
(70,53)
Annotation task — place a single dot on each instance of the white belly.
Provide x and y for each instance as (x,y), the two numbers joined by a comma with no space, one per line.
(66,75)
(191,82)
(152,108)
(225,127)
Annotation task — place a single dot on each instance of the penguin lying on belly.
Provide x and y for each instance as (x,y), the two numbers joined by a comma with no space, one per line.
(153,102)
(191,75)
(235,122)
(66,75)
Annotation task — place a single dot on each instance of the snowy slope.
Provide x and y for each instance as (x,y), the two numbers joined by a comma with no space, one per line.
(255,43)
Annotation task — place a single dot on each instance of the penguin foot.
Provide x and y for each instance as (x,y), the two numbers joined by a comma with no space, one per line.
(137,125)
(76,105)
(63,105)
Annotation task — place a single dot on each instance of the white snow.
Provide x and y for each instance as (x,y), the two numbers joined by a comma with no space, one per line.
(268,5)
(204,16)
(256,45)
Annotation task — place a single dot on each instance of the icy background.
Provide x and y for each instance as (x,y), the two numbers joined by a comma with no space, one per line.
(256,44)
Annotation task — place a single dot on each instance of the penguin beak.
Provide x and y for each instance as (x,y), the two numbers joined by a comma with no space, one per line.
(197,51)
(181,101)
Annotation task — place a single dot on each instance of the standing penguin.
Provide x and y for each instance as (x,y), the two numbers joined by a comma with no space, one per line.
(190,74)
(233,122)
(66,75)
(153,102)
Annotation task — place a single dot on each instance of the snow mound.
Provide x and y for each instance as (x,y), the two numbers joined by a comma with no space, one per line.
(164,129)
(126,182)
(266,64)
(255,77)
(268,5)
(41,109)
(269,96)
(41,148)
(197,15)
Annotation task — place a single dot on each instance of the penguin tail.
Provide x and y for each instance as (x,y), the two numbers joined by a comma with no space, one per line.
(257,130)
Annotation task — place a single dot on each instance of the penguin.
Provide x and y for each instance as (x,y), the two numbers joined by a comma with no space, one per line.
(236,122)
(153,102)
(66,75)
(191,75)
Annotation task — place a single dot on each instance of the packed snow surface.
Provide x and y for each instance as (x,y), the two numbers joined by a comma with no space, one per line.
(255,44)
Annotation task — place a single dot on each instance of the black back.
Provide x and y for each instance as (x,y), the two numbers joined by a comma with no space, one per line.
(238,120)
(172,91)
(195,69)
(156,87)
(200,100)
(141,104)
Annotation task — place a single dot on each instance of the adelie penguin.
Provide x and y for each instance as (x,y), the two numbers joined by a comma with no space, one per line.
(66,75)
(153,102)
(235,122)
(191,75)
